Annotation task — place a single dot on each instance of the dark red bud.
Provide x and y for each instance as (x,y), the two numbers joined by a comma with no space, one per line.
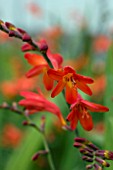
(88,159)
(10,26)
(27,47)
(81,140)
(26,37)
(78,145)
(42,45)
(103,162)
(25,123)
(85,152)
(92,146)
(11,33)
(21,31)
(36,155)
(89,166)
(97,167)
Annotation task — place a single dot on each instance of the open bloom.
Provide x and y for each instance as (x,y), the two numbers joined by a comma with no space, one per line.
(80,112)
(71,80)
(41,66)
(37,102)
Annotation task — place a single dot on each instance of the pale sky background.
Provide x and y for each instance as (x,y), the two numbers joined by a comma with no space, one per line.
(54,11)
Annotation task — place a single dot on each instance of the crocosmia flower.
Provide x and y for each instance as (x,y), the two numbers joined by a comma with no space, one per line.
(41,66)
(80,112)
(37,102)
(69,79)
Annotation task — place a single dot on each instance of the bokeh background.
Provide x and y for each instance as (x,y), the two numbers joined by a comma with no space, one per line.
(82,31)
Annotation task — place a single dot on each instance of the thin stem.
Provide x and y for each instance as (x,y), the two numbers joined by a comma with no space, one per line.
(32,124)
(49,155)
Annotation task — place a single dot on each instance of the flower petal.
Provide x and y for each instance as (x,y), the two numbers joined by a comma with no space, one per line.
(73,119)
(60,86)
(35,59)
(68,69)
(84,79)
(71,94)
(48,82)
(94,107)
(55,75)
(86,121)
(35,71)
(82,86)
(31,95)
(56,59)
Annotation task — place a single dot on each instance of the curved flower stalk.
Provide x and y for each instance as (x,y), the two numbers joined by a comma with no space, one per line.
(68,78)
(80,112)
(37,102)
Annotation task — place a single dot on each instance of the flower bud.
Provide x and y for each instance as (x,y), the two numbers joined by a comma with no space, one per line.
(36,155)
(89,166)
(27,47)
(10,26)
(25,122)
(42,45)
(78,145)
(97,167)
(26,37)
(92,146)
(102,162)
(85,152)
(88,159)
(81,140)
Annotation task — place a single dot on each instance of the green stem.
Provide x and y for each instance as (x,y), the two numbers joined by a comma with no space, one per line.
(50,160)
(49,156)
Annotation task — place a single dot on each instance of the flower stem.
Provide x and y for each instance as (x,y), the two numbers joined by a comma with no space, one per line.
(50,160)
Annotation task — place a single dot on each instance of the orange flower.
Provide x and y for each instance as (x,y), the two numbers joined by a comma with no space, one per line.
(11,135)
(41,66)
(37,102)
(11,88)
(101,43)
(34,9)
(80,112)
(71,80)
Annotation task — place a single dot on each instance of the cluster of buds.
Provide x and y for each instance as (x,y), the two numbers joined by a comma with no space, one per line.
(13,31)
(91,153)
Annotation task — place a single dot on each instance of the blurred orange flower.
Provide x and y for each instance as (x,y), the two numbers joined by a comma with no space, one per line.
(3,37)
(34,8)
(101,43)
(77,63)
(11,136)
(11,88)
(99,85)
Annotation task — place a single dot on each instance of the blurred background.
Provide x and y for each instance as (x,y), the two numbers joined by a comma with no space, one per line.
(82,32)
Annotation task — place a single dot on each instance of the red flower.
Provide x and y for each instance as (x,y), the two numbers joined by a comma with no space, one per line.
(41,66)
(80,111)
(71,80)
(37,102)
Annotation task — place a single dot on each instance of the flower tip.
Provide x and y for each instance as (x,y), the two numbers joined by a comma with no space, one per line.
(26,37)
(10,26)
(66,127)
